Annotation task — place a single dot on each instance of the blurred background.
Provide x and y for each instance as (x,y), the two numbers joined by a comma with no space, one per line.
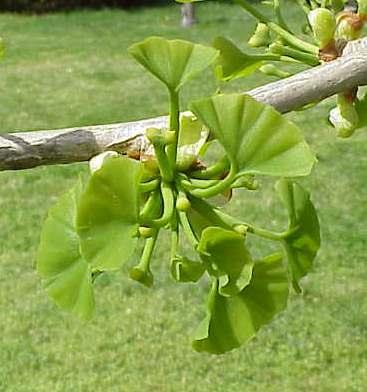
(53,5)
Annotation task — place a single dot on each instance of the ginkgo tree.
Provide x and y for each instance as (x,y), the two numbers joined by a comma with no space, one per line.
(97,226)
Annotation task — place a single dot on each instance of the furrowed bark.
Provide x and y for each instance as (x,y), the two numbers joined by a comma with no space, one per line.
(23,150)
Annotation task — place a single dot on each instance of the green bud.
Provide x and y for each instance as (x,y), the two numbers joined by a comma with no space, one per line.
(261,36)
(146,232)
(272,70)
(155,136)
(276,48)
(345,30)
(247,181)
(142,276)
(241,229)
(344,117)
(323,25)
(349,27)
(183,203)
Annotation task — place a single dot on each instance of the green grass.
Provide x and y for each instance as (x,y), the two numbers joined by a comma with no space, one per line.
(72,69)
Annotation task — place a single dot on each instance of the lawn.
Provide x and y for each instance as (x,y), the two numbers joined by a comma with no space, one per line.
(72,69)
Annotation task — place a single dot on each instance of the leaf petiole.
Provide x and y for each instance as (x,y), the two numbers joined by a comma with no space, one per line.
(192,184)
(225,220)
(301,56)
(148,252)
(188,229)
(168,207)
(141,273)
(212,171)
(264,233)
(152,207)
(219,187)
(149,186)
(174,125)
(174,236)
(164,164)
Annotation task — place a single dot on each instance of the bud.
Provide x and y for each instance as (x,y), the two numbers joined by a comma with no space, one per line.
(323,25)
(272,70)
(146,232)
(183,203)
(97,162)
(142,276)
(241,229)
(155,136)
(349,26)
(276,48)
(261,36)
(344,117)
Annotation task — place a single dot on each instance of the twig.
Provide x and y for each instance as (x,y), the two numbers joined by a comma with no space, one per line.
(23,150)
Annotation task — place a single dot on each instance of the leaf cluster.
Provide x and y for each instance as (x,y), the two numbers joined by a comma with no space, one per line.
(96,227)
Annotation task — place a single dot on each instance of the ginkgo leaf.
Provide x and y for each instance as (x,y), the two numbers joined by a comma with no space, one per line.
(256,138)
(192,138)
(186,270)
(232,321)
(232,62)
(226,257)
(303,241)
(191,129)
(108,213)
(203,215)
(174,62)
(67,275)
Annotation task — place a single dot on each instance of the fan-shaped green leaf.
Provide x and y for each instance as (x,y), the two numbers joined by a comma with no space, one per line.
(203,215)
(191,129)
(174,62)
(192,138)
(108,212)
(185,270)
(67,275)
(232,62)
(303,240)
(227,258)
(231,321)
(257,139)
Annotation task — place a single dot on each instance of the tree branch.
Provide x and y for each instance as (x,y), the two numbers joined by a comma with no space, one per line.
(23,150)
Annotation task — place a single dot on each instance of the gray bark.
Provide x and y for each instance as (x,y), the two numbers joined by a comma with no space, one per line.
(23,150)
